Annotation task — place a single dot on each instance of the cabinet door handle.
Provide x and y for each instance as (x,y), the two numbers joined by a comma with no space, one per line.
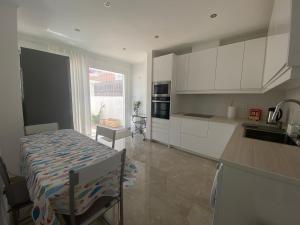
(160,101)
(214,188)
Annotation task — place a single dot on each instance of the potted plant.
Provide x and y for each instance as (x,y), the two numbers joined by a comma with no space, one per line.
(96,118)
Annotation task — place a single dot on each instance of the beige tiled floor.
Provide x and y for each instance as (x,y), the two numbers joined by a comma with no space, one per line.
(172,187)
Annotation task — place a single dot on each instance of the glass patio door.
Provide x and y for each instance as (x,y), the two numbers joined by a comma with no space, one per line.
(107,99)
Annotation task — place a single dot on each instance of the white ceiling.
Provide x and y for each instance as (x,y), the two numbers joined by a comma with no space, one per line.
(134,23)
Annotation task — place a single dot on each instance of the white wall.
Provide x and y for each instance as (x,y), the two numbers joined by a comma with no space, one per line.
(293,109)
(217,104)
(11,117)
(149,93)
(139,85)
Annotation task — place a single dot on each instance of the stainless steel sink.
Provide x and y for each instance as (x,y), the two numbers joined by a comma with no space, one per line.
(198,115)
(267,133)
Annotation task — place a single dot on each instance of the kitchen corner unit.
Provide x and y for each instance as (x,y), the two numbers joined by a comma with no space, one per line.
(258,182)
(206,137)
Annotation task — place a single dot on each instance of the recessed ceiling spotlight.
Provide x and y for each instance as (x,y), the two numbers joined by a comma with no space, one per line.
(107,4)
(214,15)
(156,36)
(77,29)
(124,49)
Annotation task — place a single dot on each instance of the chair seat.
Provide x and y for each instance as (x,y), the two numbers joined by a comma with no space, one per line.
(17,192)
(95,211)
(16,179)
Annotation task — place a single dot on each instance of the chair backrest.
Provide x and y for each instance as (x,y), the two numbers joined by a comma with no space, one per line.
(3,173)
(35,129)
(106,132)
(123,133)
(94,172)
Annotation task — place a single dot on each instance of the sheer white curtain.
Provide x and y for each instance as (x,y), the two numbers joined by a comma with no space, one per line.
(80,92)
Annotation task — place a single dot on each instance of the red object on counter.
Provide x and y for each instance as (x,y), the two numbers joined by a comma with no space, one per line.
(255,114)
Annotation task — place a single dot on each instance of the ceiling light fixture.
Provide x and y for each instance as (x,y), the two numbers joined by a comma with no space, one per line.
(156,36)
(77,29)
(214,15)
(57,33)
(61,35)
(107,4)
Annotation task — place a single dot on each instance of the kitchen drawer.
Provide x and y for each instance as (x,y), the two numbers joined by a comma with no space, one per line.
(160,135)
(160,121)
(158,129)
(160,126)
(194,127)
(196,144)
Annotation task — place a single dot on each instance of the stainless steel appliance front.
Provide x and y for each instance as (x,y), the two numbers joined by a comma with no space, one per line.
(161,89)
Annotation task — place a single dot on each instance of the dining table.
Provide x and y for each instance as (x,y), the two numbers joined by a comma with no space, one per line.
(47,158)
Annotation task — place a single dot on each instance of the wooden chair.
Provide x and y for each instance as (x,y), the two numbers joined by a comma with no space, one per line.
(88,174)
(108,134)
(16,193)
(35,129)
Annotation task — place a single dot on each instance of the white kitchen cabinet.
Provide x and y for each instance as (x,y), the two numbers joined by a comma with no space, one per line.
(247,196)
(233,68)
(218,137)
(229,66)
(160,130)
(181,72)
(211,145)
(202,70)
(195,127)
(163,68)
(175,131)
(202,137)
(276,55)
(283,46)
(160,135)
(195,144)
(253,63)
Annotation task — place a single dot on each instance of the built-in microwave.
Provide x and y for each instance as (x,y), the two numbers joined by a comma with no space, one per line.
(161,89)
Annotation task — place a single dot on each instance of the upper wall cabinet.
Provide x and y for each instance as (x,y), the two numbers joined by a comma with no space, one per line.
(229,66)
(163,68)
(283,46)
(202,70)
(234,68)
(181,71)
(276,56)
(253,63)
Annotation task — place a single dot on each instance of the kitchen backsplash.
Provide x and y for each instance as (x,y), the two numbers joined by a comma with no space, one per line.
(217,104)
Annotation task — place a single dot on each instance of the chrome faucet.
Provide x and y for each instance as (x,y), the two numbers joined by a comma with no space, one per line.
(280,104)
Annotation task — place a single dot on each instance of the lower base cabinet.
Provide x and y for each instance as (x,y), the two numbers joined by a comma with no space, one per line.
(203,137)
(160,136)
(175,131)
(247,196)
(160,130)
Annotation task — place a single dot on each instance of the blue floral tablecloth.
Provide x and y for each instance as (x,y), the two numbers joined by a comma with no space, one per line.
(46,160)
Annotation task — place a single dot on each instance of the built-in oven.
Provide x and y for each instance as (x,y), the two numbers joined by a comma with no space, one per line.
(161,89)
(160,107)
